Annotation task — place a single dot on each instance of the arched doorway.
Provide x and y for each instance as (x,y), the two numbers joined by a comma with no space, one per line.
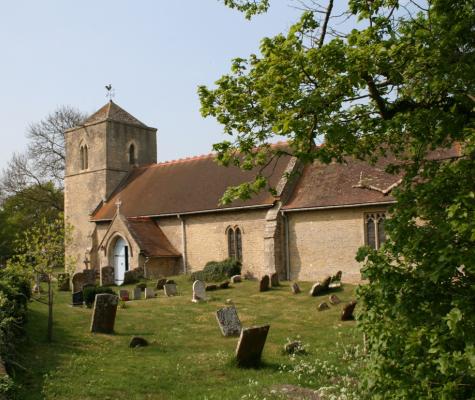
(121,260)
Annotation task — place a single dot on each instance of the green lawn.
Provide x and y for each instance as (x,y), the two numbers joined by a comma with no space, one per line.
(188,358)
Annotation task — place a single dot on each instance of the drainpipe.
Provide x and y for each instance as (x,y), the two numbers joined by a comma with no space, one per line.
(287,247)
(183,243)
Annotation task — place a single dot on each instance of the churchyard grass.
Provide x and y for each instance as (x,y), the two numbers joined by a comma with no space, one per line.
(188,358)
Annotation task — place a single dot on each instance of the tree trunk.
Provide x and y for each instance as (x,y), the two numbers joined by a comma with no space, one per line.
(50,311)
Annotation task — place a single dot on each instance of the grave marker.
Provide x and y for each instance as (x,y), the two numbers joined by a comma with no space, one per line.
(199,291)
(250,346)
(228,321)
(103,316)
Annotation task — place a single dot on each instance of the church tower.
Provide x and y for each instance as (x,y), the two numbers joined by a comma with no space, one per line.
(99,154)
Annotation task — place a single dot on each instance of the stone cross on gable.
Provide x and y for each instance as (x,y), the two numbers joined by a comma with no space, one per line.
(118,203)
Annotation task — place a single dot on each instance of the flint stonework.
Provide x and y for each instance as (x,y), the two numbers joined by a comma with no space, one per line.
(250,346)
(103,316)
(228,321)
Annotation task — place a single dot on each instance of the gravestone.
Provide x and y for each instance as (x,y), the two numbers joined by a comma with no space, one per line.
(103,316)
(89,277)
(137,293)
(77,298)
(210,288)
(130,277)
(326,283)
(138,341)
(107,276)
(334,299)
(274,279)
(170,289)
(334,285)
(142,286)
(160,283)
(170,282)
(264,283)
(323,306)
(295,288)
(124,295)
(77,281)
(236,279)
(337,276)
(224,285)
(250,346)
(63,282)
(228,321)
(347,313)
(199,291)
(149,293)
(316,289)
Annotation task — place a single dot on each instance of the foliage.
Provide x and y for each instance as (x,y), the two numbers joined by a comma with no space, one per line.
(215,271)
(400,82)
(249,8)
(89,293)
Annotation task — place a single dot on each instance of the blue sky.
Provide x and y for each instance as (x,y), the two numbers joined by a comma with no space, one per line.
(154,52)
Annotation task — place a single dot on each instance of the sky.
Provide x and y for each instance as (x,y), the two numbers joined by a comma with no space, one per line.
(155,53)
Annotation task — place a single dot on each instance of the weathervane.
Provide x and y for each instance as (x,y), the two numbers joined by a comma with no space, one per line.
(110,92)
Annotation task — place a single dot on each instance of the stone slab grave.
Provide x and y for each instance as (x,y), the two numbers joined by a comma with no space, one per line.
(228,321)
(250,346)
(295,288)
(149,293)
(347,313)
(170,289)
(199,291)
(77,281)
(160,283)
(77,298)
(124,295)
(264,283)
(103,316)
(236,279)
(320,288)
(274,279)
(107,276)
(137,293)
(89,277)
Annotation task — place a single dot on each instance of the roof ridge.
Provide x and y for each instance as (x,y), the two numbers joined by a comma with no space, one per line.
(186,159)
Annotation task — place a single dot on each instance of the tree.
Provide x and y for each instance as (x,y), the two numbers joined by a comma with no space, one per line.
(402,82)
(41,251)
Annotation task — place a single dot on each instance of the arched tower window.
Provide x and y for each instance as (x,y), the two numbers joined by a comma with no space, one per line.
(234,237)
(84,157)
(132,158)
(374,229)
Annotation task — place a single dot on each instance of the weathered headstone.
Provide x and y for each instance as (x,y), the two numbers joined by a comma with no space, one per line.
(77,298)
(138,341)
(224,285)
(103,316)
(124,295)
(295,288)
(228,321)
(77,281)
(130,277)
(160,283)
(326,283)
(323,306)
(210,288)
(250,346)
(317,289)
(334,299)
(264,283)
(63,281)
(149,293)
(107,276)
(89,277)
(137,293)
(199,291)
(236,279)
(170,282)
(142,286)
(170,289)
(347,313)
(337,276)
(274,279)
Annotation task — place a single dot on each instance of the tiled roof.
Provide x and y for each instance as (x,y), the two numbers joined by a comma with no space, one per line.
(112,112)
(182,186)
(150,238)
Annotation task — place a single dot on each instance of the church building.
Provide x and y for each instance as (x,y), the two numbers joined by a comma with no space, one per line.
(129,212)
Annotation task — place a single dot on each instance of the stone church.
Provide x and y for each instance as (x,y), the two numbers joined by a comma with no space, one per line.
(128,211)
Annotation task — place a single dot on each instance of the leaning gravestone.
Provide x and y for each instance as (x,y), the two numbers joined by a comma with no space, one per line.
(316,289)
(228,321)
(326,283)
(236,279)
(137,293)
(264,283)
(199,291)
(295,288)
(160,283)
(103,316)
(89,277)
(347,313)
(124,295)
(149,293)
(63,282)
(250,346)
(170,289)
(274,279)
(77,281)
(107,276)
(77,298)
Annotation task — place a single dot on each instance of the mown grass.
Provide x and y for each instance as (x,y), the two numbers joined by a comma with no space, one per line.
(188,358)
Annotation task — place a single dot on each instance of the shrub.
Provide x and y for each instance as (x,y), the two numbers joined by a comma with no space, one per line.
(89,293)
(216,271)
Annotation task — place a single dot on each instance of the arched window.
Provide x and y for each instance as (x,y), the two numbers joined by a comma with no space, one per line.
(374,229)
(132,154)
(84,157)
(234,243)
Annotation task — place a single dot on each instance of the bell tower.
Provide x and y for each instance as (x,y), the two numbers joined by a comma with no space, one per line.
(99,154)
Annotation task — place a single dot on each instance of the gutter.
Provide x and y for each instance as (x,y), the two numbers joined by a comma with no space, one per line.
(381,203)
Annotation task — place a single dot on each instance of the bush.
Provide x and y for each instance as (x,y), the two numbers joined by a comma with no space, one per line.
(89,293)
(216,271)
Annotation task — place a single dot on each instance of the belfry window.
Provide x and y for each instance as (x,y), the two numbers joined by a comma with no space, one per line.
(234,237)
(84,157)
(375,234)
(132,158)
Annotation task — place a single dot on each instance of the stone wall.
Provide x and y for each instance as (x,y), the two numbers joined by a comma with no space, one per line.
(322,242)
(159,267)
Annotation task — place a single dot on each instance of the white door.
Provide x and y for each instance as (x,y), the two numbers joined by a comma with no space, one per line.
(121,262)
